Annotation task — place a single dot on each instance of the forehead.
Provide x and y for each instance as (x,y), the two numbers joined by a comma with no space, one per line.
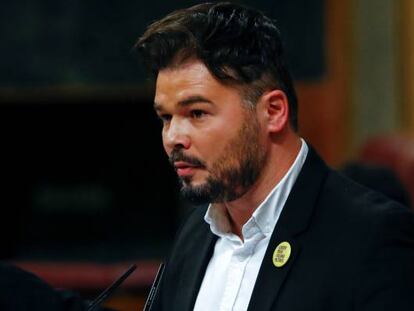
(188,79)
(178,79)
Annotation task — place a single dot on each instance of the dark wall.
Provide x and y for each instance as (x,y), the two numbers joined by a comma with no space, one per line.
(84,175)
(90,42)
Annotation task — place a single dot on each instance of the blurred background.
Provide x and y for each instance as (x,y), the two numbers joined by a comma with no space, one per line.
(85,185)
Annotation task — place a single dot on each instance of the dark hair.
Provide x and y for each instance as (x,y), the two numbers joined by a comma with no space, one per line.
(237,44)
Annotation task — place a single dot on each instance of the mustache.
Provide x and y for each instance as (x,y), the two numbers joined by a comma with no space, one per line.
(178,155)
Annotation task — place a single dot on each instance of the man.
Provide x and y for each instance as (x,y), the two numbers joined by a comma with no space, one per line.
(280,230)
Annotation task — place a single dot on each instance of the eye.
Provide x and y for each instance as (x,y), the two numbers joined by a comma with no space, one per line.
(197,113)
(164,117)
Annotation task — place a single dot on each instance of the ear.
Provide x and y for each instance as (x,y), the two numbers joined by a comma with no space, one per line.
(276,110)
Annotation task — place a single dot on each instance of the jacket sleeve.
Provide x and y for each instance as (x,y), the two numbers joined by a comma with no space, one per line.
(386,279)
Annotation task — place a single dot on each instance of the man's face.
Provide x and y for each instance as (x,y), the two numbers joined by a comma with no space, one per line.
(211,138)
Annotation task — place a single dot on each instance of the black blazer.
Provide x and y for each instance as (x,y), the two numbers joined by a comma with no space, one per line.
(352,249)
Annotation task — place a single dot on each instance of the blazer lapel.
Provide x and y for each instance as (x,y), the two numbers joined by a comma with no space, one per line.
(294,220)
(192,270)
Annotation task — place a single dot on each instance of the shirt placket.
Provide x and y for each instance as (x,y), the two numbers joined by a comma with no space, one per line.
(241,254)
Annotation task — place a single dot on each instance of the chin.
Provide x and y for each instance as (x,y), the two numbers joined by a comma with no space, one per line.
(192,181)
(199,194)
(193,185)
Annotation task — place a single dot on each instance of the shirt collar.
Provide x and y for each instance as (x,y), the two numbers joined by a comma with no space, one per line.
(267,213)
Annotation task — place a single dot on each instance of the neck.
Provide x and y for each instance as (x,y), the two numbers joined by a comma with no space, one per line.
(280,159)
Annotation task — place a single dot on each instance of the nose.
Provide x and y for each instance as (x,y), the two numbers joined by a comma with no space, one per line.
(175,135)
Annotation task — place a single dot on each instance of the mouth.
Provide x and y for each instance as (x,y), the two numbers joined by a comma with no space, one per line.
(185,169)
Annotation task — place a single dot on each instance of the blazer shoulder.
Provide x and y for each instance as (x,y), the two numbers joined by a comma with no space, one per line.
(353,212)
(356,198)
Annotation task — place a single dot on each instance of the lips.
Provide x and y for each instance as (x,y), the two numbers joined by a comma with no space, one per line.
(185,168)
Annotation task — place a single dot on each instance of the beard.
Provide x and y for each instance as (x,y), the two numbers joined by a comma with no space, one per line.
(233,173)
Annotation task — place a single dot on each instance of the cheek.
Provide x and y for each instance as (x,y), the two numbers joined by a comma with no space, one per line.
(211,146)
(164,143)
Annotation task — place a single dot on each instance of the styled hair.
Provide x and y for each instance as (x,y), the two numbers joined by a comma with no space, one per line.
(239,46)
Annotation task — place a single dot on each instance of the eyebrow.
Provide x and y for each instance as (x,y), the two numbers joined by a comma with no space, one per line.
(193,100)
(187,102)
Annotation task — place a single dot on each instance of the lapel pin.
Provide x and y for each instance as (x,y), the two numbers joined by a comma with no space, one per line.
(281,254)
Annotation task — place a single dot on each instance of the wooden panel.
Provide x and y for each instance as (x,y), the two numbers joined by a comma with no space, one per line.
(90,276)
(324,116)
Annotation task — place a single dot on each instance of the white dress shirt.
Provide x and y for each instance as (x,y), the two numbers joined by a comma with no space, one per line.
(232,271)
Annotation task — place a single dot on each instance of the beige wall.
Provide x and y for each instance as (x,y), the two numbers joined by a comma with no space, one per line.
(375,82)
(406,27)
(368,89)
(382,79)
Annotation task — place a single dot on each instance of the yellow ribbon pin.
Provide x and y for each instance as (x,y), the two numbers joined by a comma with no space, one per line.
(281,254)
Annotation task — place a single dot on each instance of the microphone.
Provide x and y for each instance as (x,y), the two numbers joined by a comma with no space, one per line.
(109,291)
(154,288)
